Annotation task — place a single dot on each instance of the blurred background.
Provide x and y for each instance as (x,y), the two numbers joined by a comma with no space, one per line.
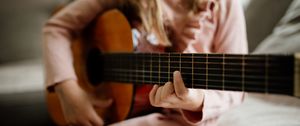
(273,26)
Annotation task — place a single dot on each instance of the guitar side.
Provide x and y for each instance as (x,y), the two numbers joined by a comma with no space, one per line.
(297,76)
(111,33)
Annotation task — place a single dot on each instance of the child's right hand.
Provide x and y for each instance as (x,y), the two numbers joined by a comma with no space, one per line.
(78,105)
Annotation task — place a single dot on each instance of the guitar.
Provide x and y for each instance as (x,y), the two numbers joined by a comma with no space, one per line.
(110,69)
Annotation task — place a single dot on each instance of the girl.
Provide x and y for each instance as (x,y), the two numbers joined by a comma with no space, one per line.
(188,26)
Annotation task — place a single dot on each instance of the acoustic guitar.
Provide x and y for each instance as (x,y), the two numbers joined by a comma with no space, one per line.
(111,69)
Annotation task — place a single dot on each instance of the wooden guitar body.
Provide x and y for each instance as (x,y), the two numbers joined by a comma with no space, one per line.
(110,33)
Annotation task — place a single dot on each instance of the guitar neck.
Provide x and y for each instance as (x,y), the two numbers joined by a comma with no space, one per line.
(251,73)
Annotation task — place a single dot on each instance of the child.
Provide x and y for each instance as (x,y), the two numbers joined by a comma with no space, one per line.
(187,26)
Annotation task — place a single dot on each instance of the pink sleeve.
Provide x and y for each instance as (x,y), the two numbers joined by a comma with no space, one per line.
(230,37)
(58,33)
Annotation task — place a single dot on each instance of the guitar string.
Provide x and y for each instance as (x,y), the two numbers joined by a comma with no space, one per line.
(161,55)
(199,68)
(197,63)
(270,58)
(203,59)
(212,80)
(259,64)
(132,76)
(248,71)
(205,63)
(251,69)
(210,86)
(198,74)
(188,55)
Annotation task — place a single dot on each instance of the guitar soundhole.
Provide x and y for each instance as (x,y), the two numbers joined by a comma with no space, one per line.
(94,66)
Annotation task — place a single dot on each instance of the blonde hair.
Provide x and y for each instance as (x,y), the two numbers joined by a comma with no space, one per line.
(149,13)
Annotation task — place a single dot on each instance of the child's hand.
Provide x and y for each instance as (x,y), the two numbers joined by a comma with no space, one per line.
(176,95)
(78,105)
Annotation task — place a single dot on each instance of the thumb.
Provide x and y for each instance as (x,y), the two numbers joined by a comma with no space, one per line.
(102,103)
(180,89)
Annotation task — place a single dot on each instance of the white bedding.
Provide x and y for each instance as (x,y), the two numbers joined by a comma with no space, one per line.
(264,110)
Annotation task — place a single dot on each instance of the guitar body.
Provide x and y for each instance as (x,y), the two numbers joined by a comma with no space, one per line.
(111,32)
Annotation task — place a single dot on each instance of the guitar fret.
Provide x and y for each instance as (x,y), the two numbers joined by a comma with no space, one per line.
(180,62)
(143,60)
(192,70)
(206,71)
(169,67)
(130,65)
(151,67)
(136,67)
(159,68)
(223,73)
(266,74)
(243,73)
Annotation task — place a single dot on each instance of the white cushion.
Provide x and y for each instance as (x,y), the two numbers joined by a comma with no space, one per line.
(21,76)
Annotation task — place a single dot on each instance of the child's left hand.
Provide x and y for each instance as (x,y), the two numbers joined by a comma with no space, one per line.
(176,95)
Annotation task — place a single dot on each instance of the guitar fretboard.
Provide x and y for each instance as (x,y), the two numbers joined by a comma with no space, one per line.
(250,73)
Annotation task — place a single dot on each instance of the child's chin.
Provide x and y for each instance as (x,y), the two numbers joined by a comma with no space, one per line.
(188,39)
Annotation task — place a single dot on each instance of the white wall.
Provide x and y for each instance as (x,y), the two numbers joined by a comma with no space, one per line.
(21,22)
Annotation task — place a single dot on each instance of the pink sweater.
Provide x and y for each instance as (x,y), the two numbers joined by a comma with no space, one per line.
(221,31)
